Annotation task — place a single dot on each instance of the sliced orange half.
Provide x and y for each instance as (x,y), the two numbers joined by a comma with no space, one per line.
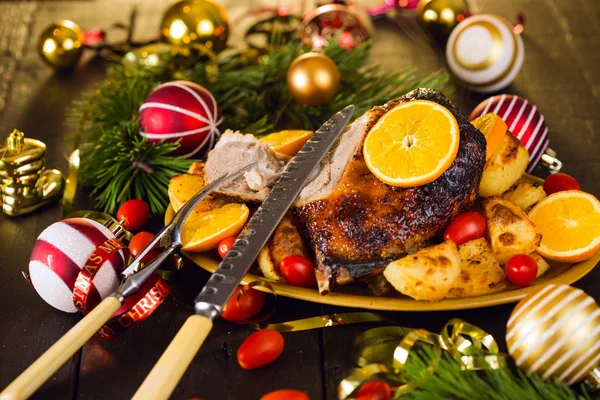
(287,142)
(494,129)
(204,231)
(412,144)
(569,222)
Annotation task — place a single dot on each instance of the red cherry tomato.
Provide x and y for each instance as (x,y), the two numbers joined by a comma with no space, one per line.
(286,394)
(139,242)
(521,270)
(299,271)
(247,307)
(133,214)
(225,245)
(559,182)
(467,226)
(374,390)
(260,348)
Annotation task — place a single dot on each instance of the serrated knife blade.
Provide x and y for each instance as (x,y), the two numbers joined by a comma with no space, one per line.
(230,272)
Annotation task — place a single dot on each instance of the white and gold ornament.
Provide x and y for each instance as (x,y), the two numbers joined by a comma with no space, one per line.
(555,332)
(485,53)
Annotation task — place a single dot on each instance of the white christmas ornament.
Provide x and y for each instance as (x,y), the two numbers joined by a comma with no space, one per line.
(484,52)
(60,253)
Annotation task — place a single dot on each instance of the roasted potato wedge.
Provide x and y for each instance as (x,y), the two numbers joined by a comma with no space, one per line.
(196,168)
(542,265)
(510,231)
(286,241)
(427,274)
(183,187)
(480,272)
(268,269)
(504,168)
(526,194)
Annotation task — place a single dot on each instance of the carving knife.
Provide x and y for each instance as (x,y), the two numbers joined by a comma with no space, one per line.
(171,366)
(170,240)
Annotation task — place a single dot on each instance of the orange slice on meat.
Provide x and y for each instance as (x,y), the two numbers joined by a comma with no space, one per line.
(412,144)
(569,222)
(287,142)
(494,129)
(204,231)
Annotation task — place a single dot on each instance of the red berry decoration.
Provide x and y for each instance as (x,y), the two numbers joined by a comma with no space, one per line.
(184,111)
(374,390)
(225,245)
(560,182)
(133,214)
(465,227)
(299,271)
(248,305)
(286,394)
(260,348)
(139,242)
(521,270)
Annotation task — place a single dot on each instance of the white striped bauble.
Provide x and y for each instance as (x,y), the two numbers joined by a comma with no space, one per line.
(555,332)
(59,254)
(523,119)
(181,110)
(485,53)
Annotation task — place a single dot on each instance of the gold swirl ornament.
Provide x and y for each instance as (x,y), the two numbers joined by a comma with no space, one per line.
(555,332)
(485,53)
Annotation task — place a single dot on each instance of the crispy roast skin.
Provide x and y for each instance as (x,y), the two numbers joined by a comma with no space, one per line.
(363,223)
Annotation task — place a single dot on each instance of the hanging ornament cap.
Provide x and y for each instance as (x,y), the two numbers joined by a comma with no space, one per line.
(484,52)
(526,122)
(26,184)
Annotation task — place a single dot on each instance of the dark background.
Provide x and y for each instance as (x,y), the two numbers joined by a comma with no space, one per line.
(560,75)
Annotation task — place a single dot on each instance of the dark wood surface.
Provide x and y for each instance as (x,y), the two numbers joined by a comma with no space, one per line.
(560,75)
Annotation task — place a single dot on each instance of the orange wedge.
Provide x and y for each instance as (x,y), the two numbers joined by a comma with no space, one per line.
(494,129)
(204,231)
(569,222)
(412,144)
(287,142)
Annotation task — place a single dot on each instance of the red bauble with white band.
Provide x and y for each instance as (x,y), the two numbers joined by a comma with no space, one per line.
(526,122)
(181,110)
(60,253)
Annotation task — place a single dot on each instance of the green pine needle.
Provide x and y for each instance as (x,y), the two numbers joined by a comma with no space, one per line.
(252,99)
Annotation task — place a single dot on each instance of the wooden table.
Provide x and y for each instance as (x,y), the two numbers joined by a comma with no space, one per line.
(560,75)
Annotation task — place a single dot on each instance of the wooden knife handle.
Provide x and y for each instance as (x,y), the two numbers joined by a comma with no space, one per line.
(171,366)
(43,368)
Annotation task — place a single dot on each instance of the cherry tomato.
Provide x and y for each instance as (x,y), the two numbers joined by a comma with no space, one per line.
(559,182)
(247,307)
(521,270)
(139,242)
(374,390)
(299,271)
(225,245)
(133,214)
(286,394)
(260,348)
(465,227)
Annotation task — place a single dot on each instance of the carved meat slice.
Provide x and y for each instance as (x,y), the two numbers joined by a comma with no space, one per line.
(356,223)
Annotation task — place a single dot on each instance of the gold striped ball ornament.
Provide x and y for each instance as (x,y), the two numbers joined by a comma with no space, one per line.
(555,332)
(485,53)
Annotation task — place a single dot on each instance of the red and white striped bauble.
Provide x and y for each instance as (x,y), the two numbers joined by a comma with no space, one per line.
(181,110)
(59,254)
(523,119)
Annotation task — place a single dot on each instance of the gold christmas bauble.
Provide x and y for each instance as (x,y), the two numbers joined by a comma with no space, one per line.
(61,44)
(555,332)
(196,22)
(313,79)
(439,17)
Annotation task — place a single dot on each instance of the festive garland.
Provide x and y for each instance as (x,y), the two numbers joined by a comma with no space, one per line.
(253,98)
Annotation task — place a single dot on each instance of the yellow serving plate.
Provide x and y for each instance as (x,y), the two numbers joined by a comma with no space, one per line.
(359,296)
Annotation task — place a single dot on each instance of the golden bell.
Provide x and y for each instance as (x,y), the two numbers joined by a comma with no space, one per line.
(26,184)
(555,332)
(196,22)
(313,79)
(61,44)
